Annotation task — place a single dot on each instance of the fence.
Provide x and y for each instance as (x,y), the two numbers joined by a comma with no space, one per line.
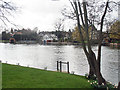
(59,66)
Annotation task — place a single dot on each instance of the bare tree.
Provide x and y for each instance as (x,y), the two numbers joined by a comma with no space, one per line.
(82,16)
(96,14)
(95,9)
(59,27)
(68,12)
(6,9)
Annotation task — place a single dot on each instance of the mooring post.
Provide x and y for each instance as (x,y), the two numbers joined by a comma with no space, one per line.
(60,66)
(68,66)
(57,65)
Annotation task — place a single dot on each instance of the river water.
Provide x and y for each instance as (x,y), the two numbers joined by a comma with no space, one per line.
(46,56)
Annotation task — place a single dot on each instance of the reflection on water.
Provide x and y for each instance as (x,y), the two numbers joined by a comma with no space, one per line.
(41,56)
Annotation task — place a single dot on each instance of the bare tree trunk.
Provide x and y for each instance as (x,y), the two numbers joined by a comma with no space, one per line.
(97,69)
(94,68)
(119,86)
(91,72)
(94,63)
(100,35)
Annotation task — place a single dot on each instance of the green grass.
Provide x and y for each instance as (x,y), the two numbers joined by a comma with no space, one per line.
(23,77)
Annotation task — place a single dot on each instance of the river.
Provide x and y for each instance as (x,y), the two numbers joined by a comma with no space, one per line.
(46,56)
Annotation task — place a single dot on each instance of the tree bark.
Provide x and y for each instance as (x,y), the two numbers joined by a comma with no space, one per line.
(97,70)
(119,86)
(93,63)
(91,72)
(100,35)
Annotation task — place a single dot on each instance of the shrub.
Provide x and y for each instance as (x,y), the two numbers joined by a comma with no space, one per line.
(94,83)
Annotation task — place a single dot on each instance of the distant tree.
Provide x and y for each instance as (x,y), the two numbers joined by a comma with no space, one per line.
(5,35)
(70,36)
(115,30)
(76,34)
(12,30)
(36,29)
(95,9)
(59,28)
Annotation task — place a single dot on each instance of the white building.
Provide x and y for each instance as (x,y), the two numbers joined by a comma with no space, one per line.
(49,37)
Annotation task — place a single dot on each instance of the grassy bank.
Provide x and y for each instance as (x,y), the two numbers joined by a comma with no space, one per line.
(24,77)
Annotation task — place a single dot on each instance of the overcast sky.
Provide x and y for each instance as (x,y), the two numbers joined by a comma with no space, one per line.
(39,13)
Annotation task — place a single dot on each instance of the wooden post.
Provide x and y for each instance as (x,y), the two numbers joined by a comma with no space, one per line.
(68,66)
(57,65)
(60,66)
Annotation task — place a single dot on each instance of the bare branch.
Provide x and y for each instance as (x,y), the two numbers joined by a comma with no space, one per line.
(6,8)
(72,6)
(100,34)
(80,10)
(68,13)
(79,28)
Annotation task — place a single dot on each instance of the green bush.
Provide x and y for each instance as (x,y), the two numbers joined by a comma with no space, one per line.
(90,77)
(94,83)
(107,86)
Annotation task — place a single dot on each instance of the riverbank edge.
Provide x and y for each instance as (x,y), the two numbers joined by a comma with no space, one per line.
(12,71)
(115,45)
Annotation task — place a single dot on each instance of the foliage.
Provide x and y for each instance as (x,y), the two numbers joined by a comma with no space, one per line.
(115,30)
(59,35)
(76,34)
(107,86)
(94,83)
(24,77)
(91,78)
(20,35)
(5,35)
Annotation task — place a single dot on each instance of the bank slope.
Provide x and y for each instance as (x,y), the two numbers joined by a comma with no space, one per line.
(23,77)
